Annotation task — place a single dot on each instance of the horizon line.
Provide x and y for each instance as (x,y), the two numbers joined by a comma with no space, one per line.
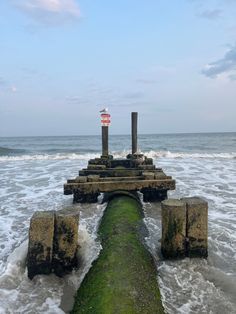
(74,135)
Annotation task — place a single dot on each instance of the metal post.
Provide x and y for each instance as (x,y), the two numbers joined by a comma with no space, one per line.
(134,121)
(105,141)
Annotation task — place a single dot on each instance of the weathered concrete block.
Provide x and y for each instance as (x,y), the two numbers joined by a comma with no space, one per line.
(40,247)
(81,197)
(65,242)
(173,213)
(197,226)
(107,157)
(125,163)
(93,178)
(160,175)
(153,195)
(101,167)
(96,167)
(67,190)
(149,161)
(147,167)
(81,179)
(148,175)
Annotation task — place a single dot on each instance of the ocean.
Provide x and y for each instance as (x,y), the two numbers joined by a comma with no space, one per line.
(32,173)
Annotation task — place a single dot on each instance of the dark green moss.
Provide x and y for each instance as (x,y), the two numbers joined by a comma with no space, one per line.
(123,279)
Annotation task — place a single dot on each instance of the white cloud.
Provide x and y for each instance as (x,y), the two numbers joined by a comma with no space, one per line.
(211,14)
(49,11)
(226,65)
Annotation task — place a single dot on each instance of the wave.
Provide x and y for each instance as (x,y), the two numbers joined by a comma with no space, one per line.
(123,154)
(67,151)
(11,151)
(58,156)
(168,154)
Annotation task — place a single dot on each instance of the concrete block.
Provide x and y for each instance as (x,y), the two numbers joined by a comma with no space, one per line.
(154,195)
(93,178)
(97,167)
(81,179)
(197,226)
(40,247)
(147,167)
(160,175)
(65,242)
(81,197)
(149,161)
(173,213)
(148,175)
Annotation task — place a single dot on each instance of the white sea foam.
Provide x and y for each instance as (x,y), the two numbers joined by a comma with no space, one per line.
(117,154)
(200,286)
(59,156)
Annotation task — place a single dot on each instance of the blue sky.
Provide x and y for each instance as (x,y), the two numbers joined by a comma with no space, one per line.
(61,61)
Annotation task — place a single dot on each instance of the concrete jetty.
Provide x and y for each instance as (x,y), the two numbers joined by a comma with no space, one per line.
(134,173)
(124,277)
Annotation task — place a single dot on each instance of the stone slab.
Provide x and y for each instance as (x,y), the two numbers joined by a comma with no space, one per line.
(147,167)
(96,167)
(93,178)
(148,175)
(153,195)
(41,233)
(111,172)
(108,179)
(80,179)
(65,242)
(173,244)
(91,187)
(197,226)
(161,175)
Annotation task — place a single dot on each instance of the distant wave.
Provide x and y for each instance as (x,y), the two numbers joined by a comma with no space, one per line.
(71,151)
(168,154)
(123,154)
(10,151)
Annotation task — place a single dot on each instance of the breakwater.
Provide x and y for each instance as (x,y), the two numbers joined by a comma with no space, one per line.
(123,278)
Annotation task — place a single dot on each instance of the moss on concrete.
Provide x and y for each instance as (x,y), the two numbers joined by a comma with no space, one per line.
(123,280)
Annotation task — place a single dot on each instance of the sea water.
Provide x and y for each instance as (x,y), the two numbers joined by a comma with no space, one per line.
(32,173)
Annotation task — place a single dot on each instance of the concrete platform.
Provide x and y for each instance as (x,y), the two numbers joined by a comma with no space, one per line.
(109,186)
(106,175)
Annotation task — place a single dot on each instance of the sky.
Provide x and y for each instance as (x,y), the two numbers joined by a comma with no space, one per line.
(61,61)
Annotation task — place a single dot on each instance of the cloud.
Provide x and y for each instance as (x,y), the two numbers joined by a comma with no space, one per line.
(50,12)
(226,65)
(211,14)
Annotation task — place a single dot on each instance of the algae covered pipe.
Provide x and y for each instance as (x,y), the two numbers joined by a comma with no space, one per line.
(123,280)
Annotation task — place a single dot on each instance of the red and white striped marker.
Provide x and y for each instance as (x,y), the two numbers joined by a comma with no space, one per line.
(105,119)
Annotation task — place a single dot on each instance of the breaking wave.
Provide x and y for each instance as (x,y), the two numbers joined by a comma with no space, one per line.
(168,154)
(86,156)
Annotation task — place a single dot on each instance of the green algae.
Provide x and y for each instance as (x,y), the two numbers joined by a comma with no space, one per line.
(123,280)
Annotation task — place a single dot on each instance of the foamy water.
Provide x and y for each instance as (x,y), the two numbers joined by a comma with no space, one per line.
(33,178)
(195,285)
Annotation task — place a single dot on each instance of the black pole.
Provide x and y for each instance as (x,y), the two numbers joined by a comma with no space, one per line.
(134,128)
(105,141)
